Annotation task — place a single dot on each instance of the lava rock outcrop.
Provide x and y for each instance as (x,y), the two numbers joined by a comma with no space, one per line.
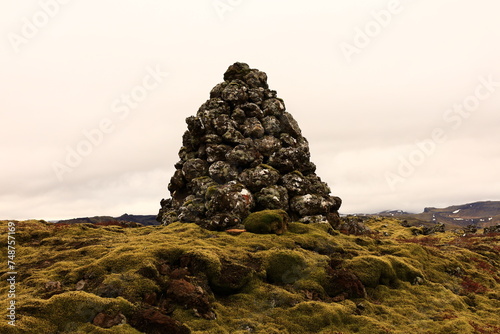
(242,153)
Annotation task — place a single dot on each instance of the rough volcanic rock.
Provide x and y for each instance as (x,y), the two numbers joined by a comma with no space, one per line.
(107,321)
(492,229)
(153,321)
(189,295)
(242,153)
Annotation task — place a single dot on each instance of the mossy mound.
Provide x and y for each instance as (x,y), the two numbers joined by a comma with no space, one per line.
(70,312)
(267,221)
(87,279)
(285,266)
(386,270)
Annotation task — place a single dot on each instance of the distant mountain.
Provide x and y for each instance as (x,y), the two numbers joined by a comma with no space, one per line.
(141,219)
(108,220)
(480,214)
(391,213)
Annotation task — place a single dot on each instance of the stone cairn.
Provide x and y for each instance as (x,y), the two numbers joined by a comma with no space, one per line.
(244,153)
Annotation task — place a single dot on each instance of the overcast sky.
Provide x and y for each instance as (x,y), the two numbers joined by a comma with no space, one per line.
(399,100)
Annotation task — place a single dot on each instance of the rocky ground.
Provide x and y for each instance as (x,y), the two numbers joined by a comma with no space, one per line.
(181,278)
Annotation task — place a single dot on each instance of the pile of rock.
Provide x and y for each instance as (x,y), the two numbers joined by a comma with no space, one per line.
(425,230)
(492,229)
(242,153)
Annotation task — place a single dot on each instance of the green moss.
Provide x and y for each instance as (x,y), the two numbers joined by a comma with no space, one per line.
(204,261)
(212,190)
(310,286)
(311,317)
(169,252)
(90,271)
(298,228)
(324,227)
(123,259)
(284,266)
(71,309)
(373,270)
(271,168)
(298,173)
(404,270)
(130,286)
(267,221)
(133,261)
(459,325)
(119,329)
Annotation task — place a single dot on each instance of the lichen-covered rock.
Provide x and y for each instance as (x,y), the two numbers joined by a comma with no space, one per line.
(425,230)
(273,198)
(318,219)
(153,321)
(236,71)
(194,168)
(199,186)
(252,128)
(231,198)
(267,145)
(273,107)
(348,225)
(177,181)
(470,229)
(243,152)
(223,172)
(244,156)
(105,320)
(271,125)
(287,140)
(256,79)
(296,184)
(215,106)
(256,95)
(492,229)
(221,221)
(186,293)
(217,152)
(236,91)
(192,211)
(289,125)
(223,123)
(316,186)
(310,205)
(211,139)
(216,92)
(232,136)
(252,110)
(283,159)
(195,126)
(259,177)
